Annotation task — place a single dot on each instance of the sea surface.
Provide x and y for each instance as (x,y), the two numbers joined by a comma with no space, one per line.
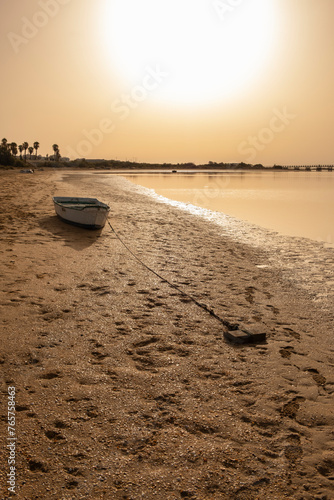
(291,203)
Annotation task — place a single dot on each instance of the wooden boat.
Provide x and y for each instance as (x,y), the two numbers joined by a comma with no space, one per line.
(85,212)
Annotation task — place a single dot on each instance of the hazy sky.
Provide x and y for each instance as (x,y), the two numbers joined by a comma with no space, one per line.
(170,80)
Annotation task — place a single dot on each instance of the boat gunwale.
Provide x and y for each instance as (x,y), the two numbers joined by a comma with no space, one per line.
(79,204)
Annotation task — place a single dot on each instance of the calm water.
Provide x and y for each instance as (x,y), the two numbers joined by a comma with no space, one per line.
(291,203)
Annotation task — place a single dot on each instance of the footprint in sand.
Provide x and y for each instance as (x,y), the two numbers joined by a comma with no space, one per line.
(99,356)
(54,436)
(146,341)
(286,352)
(50,375)
(291,408)
(317,377)
(249,294)
(292,333)
(71,485)
(38,466)
(59,424)
(21,408)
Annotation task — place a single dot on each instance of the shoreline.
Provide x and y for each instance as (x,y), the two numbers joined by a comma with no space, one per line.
(124,387)
(303,260)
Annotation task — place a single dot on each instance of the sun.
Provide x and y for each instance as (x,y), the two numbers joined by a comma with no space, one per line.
(206,49)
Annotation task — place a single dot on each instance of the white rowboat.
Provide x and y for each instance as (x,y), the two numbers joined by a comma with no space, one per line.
(85,212)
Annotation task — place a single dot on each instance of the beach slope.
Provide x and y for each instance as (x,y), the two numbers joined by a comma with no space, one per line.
(125,388)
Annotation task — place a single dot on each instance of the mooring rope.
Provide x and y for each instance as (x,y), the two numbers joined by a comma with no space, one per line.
(226,323)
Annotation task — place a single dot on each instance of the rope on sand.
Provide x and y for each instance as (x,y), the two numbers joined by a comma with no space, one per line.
(226,323)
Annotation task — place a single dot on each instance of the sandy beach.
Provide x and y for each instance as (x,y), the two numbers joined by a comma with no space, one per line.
(124,387)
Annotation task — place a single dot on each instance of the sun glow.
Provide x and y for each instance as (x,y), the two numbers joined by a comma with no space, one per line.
(208,49)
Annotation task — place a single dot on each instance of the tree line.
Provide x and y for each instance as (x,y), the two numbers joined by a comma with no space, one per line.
(10,150)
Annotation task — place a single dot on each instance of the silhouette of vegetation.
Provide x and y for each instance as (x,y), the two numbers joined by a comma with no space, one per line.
(129,165)
(6,157)
(9,151)
(13,148)
(36,146)
(25,146)
(55,148)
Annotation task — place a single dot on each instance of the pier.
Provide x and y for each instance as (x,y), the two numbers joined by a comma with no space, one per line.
(309,168)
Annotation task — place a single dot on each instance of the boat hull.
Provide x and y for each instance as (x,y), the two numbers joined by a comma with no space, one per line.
(89,213)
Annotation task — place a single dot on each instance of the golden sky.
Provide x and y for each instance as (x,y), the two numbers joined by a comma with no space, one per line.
(170,80)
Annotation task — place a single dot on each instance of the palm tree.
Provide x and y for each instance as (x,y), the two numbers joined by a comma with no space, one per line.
(13,148)
(25,147)
(55,148)
(5,156)
(20,149)
(31,150)
(36,146)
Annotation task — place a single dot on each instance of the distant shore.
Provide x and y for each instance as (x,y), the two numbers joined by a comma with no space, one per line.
(130,165)
(115,165)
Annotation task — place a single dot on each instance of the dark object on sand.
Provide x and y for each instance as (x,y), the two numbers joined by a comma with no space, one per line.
(244,337)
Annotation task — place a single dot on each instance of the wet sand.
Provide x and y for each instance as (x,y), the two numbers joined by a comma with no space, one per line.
(125,388)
